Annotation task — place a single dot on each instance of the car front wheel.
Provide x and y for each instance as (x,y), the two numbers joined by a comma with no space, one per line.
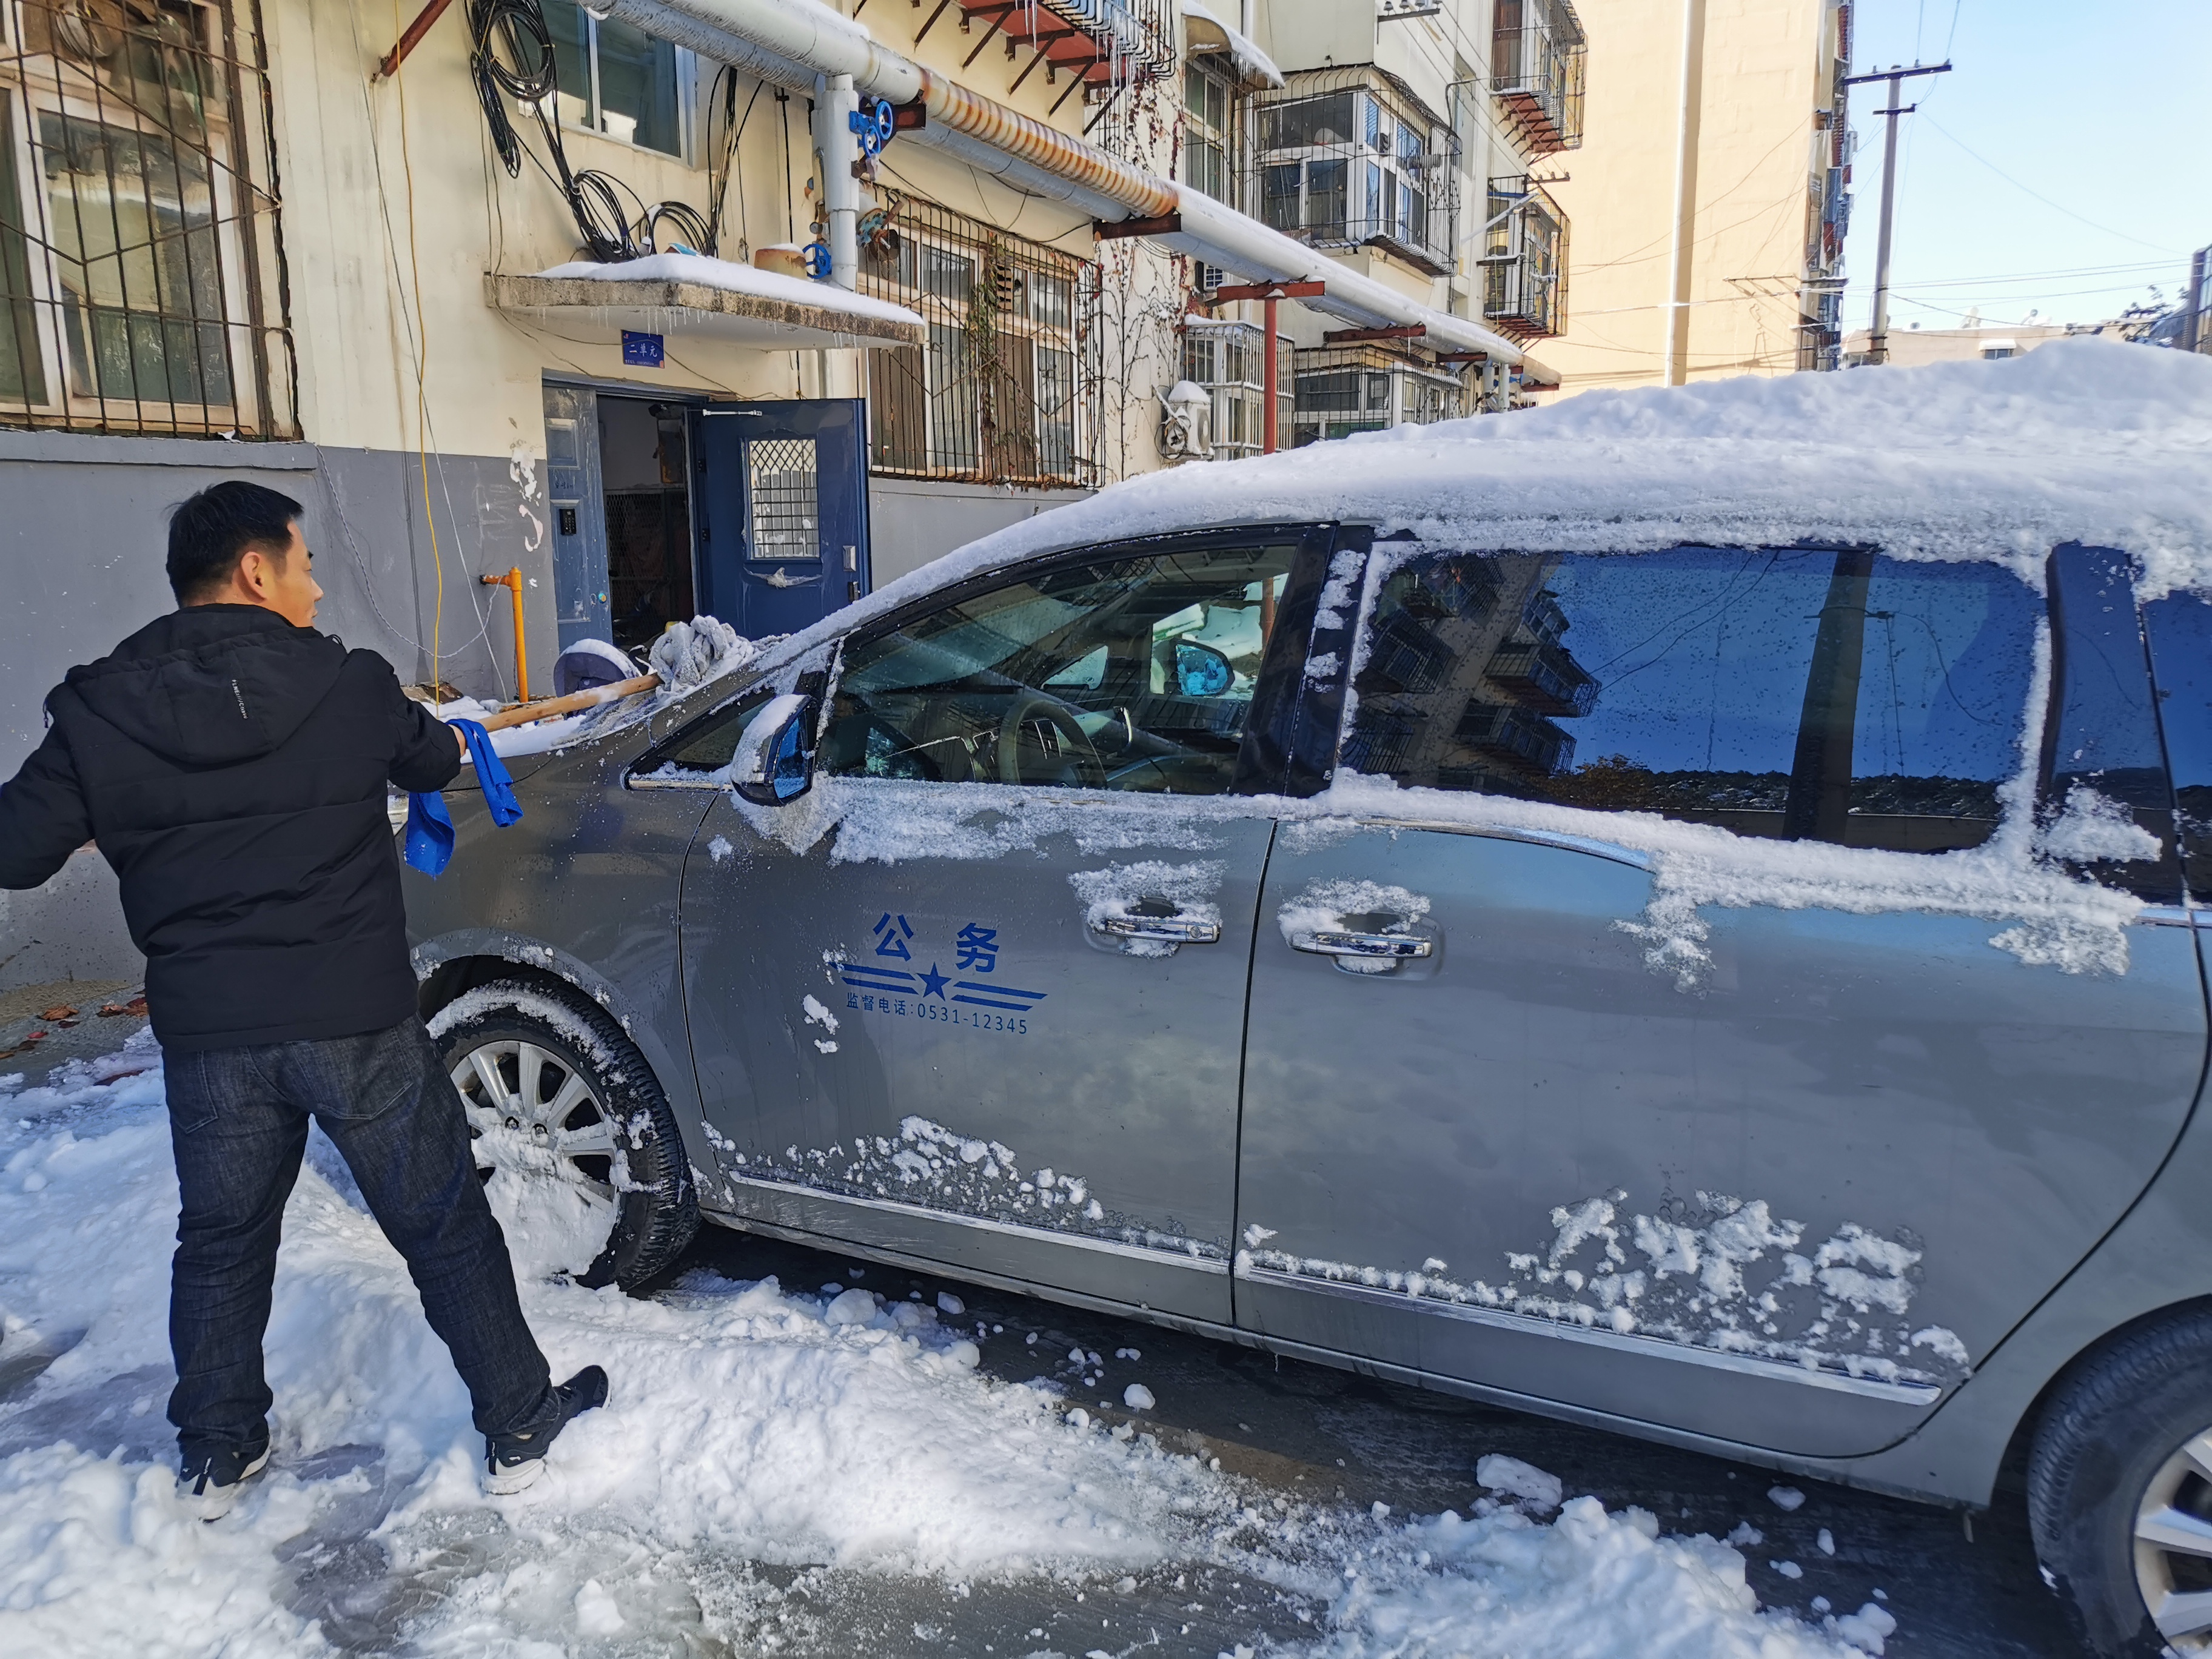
(2120,1491)
(579,1151)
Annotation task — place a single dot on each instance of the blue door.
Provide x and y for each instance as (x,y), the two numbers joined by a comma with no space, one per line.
(783,512)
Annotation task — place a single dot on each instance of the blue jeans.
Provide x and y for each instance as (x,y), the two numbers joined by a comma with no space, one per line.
(238,1121)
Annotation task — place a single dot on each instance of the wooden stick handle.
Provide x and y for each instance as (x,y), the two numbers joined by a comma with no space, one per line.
(523,713)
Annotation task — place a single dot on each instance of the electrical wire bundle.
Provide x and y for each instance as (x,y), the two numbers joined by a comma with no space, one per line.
(512,57)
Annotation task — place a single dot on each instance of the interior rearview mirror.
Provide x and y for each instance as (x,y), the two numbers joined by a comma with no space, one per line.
(1201,670)
(774,759)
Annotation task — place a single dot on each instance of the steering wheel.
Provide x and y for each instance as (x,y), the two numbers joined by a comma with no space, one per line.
(1034,705)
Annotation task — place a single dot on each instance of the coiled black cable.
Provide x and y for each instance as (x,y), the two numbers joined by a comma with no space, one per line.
(512,57)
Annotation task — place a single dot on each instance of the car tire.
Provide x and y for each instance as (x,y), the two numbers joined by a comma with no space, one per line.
(2119,1490)
(594,1110)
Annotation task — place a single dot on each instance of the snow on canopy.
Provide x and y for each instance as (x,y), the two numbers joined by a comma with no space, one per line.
(2084,439)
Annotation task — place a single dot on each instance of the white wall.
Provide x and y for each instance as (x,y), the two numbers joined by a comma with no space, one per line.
(913,520)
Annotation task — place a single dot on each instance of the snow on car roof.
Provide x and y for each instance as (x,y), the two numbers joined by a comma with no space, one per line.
(2082,440)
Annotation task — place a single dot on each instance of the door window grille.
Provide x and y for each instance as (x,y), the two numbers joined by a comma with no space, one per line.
(997,395)
(779,485)
(142,281)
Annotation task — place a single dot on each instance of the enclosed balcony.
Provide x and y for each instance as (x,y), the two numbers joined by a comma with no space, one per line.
(1524,261)
(1536,58)
(1345,389)
(1350,158)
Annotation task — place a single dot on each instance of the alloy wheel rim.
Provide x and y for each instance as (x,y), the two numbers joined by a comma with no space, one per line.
(533,1115)
(2173,1548)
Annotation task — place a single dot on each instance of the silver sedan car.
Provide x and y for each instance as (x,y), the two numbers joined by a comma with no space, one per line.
(1745,996)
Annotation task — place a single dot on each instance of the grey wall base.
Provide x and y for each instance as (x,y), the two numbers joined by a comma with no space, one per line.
(70,928)
(84,534)
(913,521)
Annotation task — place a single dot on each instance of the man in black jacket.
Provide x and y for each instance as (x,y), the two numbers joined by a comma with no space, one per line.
(232,763)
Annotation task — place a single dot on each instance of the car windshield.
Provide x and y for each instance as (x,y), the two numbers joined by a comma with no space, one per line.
(1135,673)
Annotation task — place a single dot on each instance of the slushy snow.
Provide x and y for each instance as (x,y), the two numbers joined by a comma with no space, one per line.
(748,1424)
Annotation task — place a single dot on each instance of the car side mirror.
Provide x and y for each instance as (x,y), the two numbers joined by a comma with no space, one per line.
(1201,670)
(775,762)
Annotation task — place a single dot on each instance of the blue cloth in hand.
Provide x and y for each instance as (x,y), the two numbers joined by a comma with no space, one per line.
(491,773)
(429,832)
(429,844)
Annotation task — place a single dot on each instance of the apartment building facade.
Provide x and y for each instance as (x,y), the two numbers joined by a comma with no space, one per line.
(1404,139)
(668,306)
(1712,192)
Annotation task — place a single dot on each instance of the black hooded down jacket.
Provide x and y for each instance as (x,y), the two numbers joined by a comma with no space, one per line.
(233,769)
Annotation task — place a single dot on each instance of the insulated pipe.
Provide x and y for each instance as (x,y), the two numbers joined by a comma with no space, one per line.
(697,33)
(1021,175)
(1222,236)
(973,116)
(835,105)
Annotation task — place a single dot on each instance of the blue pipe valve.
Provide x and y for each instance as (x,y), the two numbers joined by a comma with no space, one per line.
(874,126)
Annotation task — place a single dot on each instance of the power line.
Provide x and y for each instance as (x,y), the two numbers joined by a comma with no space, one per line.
(2146,268)
(2040,197)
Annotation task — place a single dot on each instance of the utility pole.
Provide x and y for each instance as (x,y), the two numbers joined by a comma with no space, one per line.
(1878,334)
(2192,307)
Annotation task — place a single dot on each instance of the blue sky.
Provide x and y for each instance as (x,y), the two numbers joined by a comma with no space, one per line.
(2097,110)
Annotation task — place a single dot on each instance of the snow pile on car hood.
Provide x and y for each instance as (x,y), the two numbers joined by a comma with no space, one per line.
(2080,441)
(747,1423)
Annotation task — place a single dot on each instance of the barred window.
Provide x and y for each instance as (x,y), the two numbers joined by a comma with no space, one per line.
(997,395)
(141,275)
(1209,150)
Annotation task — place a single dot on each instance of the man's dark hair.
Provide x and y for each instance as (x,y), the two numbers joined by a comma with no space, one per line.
(210,532)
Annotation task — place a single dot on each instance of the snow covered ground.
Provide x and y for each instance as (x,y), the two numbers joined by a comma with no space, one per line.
(767,1452)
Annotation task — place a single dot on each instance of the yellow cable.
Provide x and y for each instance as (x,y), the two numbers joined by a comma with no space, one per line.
(421,362)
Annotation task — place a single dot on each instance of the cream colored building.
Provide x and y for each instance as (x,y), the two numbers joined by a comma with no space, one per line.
(231,245)
(1710,196)
(1400,142)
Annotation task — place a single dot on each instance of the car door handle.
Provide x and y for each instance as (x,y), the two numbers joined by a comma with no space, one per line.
(1175,930)
(1394,947)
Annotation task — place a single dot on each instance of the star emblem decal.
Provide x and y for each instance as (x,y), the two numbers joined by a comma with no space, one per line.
(932,983)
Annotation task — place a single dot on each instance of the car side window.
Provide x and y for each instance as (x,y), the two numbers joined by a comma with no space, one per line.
(1131,673)
(1817,694)
(2180,630)
(693,755)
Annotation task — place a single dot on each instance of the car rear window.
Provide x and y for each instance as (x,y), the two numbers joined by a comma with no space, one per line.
(1822,695)
(2180,629)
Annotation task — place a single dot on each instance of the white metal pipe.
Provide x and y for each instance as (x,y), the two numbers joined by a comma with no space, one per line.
(835,104)
(1682,250)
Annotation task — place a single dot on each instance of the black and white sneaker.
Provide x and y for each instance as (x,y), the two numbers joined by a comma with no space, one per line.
(513,1462)
(208,1482)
